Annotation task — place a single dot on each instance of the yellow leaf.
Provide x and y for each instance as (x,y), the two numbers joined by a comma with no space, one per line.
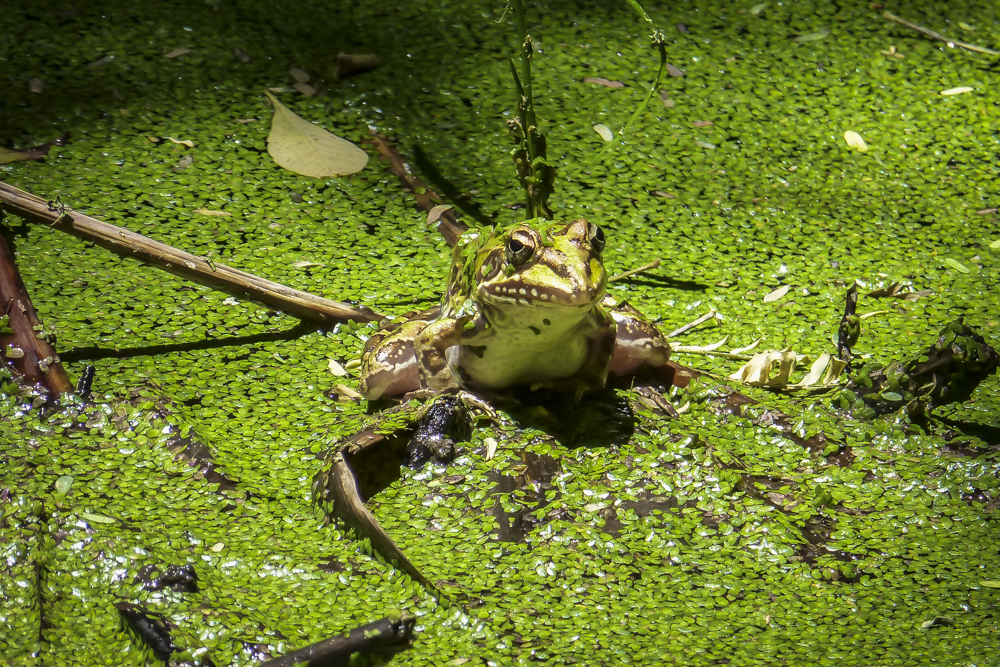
(218,214)
(604,131)
(854,140)
(307,149)
(957,91)
(776,294)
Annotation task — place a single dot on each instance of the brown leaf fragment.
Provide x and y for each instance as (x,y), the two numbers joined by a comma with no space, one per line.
(184,163)
(986,211)
(299,75)
(665,98)
(604,82)
(246,120)
(674,72)
(702,123)
(304,88)
(36,85)
(435,213)
(8,155)
(660,193)
(176,53)
(913,296)
(891,290)
(349,64)
(241,55)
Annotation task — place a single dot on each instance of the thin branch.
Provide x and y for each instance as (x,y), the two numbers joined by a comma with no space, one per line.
(655,264)
(449,225)
(240,284)
(939,36)
(711,314)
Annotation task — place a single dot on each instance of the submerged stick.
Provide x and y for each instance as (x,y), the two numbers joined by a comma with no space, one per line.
(384,634)
(939,36)
(449,225)
(232,281)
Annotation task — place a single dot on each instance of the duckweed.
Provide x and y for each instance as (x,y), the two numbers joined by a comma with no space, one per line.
(716,538)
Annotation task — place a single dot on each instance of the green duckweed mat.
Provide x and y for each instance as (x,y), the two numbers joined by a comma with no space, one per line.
(713,539)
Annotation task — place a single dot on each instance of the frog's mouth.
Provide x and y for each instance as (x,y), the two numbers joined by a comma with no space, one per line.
(516,293)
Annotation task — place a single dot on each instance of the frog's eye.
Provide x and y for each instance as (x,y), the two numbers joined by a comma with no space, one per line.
(596,236)
(520,248)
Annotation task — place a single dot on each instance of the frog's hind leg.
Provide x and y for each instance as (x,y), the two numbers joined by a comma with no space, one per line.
(336,490)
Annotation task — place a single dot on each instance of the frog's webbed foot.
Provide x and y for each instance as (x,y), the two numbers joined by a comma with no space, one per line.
(432,438)
(449,419)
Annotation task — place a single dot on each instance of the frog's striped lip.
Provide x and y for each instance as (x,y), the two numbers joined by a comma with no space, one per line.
(517,293)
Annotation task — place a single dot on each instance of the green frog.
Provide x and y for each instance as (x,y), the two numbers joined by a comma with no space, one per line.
(525,305)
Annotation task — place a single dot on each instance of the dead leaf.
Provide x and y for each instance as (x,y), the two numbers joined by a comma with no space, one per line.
(913,296)
(813,36)
(304,263)
(8,155)
(854,140)
(246,120)
(299,75)
(176,53)
(36,85)
(884,292)
(770,368)
(184,163)
(702,123)
(674,72)
(185,142)
(665,98)
(336,368)
(347,392)
(604,131)
(349,64)
(957,91)
(705,144)
(986,211)
(304,88)
(491,448)
(434,214)
(307,149)
(217,214)
(604,82)
(241,55)
(777,294)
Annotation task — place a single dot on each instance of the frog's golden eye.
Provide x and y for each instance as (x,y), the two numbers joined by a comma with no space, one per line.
(596,236)
(520,248)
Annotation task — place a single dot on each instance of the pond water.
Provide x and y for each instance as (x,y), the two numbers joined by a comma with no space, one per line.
(727,536)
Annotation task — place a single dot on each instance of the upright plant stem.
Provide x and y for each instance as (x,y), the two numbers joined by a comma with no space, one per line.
(528,102)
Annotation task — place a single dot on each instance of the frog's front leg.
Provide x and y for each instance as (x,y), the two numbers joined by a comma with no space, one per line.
(638,342)
(430,349)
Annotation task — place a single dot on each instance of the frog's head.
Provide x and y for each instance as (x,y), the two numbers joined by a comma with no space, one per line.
(533,263)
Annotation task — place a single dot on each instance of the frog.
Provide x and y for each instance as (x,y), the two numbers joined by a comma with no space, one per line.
(525,304)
